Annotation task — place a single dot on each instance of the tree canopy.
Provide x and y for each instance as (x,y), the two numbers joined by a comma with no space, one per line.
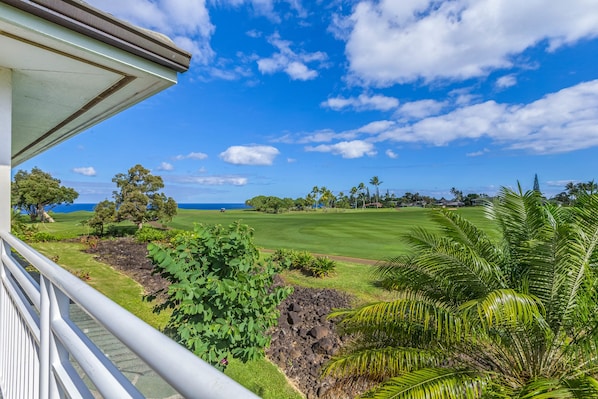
(476,317)
(138,198)
(37,190)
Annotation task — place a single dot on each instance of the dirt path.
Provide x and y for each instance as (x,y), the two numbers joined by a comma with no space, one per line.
(339,258)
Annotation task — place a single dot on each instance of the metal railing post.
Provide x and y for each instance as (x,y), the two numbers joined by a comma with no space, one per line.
(44,345)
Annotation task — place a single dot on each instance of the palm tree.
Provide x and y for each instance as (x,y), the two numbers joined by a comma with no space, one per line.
(361,188)
(480,318)
(353,192)
(374,181)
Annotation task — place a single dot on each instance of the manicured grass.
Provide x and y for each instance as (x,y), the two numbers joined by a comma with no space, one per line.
(110,282)
(369,234)
(354,279)
(262,378)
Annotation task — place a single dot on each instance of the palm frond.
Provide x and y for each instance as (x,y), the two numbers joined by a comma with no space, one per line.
(555,388)
(433,383)
(504,308)
(410,311)
(382,363)
(466,233)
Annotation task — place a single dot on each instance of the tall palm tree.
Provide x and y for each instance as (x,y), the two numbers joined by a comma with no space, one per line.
(476,317)
(361,189)
(375,181)
(353,192)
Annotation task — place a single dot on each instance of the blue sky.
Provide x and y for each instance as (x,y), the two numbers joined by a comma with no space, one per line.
(283,95)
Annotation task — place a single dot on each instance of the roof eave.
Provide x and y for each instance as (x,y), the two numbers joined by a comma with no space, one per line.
(89,21)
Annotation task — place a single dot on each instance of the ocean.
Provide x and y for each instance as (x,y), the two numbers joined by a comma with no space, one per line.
(211,206)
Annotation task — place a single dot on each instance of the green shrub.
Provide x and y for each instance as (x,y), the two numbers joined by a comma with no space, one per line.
(42,236)
(148,234)
(284,257)
(221,295)
(301,260)
(289,259)
(321,266)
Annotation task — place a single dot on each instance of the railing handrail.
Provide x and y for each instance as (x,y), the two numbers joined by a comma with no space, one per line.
(183,370)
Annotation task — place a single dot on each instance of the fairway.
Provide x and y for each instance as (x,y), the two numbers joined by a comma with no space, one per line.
(367,234)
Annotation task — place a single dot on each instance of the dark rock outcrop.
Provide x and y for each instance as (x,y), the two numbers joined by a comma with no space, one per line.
(306,339)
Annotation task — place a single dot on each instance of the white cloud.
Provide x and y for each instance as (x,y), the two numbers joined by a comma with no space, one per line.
(165,166)
(85,171)
(250,155)
(477,153)
(213,180)
(186,22)
(362,103)
(191,155)
(421,109)
(404,41)
(266,7)
(288,61)
(559,122)
(391,154)
(346,149)
(506,81)
(376,127)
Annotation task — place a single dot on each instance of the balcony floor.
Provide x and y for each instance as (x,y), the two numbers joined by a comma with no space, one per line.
(139,373)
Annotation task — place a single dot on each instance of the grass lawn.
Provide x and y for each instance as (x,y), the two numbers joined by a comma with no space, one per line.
(367,234)
(355,279)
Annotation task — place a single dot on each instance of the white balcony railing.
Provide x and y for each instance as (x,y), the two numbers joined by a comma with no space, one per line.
(45,354)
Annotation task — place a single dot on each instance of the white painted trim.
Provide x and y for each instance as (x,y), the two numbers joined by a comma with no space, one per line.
(43,28)
(5,146)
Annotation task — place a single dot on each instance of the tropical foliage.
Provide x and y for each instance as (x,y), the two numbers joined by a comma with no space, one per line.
(222,296)
(480,318)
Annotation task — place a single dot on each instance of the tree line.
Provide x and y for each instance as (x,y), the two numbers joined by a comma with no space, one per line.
(359,196)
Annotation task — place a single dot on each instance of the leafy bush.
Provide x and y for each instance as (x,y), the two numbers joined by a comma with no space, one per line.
(42,236)
(20,228)
(149,234)
(303,260)
(321,266)
(222,297)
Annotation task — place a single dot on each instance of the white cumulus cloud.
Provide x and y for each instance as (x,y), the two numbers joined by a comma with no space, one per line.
(292,63)
(563,121)
(506,81)
(191,155)
(346,149)
(165,166)
(394,41)
(362,103)
(391,154)
(250,155)
(85,171)
(213,180)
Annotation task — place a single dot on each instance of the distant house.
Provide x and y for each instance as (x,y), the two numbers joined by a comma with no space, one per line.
(449,204)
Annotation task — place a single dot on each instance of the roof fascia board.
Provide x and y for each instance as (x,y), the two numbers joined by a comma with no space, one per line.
(85,44)
(82,18)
